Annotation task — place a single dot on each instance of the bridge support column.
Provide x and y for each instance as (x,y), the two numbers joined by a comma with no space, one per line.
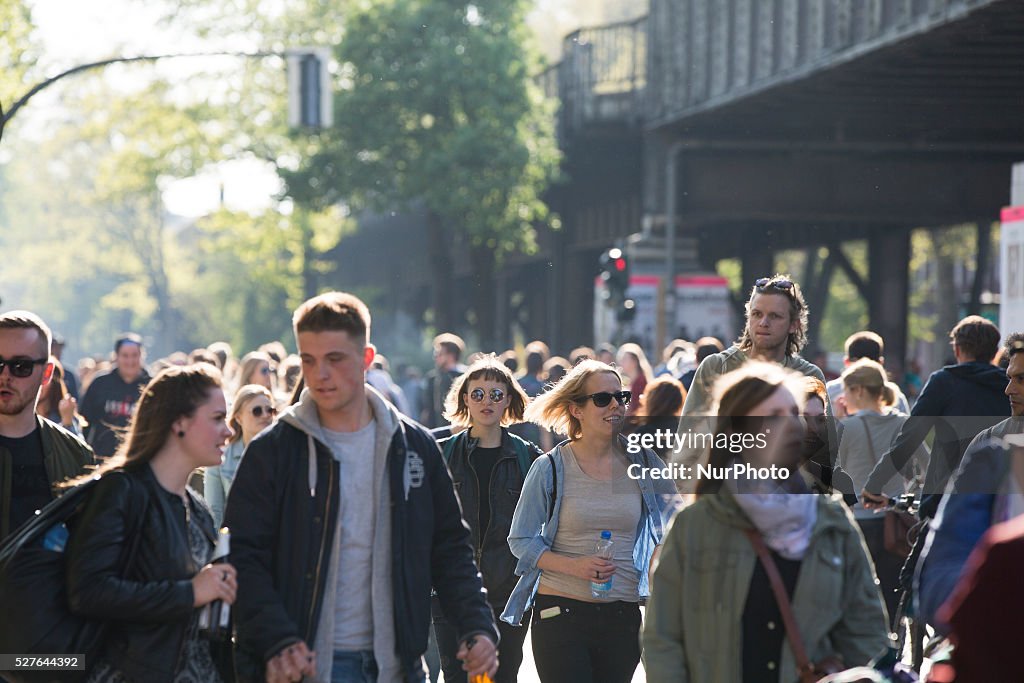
(888,286)
(757,262)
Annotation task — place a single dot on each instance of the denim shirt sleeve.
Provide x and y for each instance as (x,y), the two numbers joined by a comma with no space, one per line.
(666,496)
(213,491)
(531,532)
(661,502)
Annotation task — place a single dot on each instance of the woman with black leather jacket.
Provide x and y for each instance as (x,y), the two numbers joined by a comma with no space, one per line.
(488,466)
(137,554)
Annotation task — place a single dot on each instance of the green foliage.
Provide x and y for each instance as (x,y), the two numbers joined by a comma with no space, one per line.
(437,108)
(254,269)
(96,251)
(18,52)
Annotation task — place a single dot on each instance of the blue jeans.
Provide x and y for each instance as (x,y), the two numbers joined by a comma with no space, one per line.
(354,667)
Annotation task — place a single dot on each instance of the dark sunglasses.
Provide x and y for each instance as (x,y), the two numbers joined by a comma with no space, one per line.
(603,398)
(497,395)
(21,367)
(780,283)
(257,411)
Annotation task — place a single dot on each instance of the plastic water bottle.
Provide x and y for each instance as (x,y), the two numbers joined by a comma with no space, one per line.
(56,538)
(603,549)
(215,617)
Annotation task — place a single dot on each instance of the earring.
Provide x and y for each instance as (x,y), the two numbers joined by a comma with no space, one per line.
(181,433)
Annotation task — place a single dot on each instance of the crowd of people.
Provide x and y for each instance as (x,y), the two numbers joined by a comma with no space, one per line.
(392,530)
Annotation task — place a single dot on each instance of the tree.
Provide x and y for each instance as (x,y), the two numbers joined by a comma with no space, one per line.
(18,51)
(437,109)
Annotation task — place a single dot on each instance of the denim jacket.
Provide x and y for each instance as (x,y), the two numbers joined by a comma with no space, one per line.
(217,480)
(532,534)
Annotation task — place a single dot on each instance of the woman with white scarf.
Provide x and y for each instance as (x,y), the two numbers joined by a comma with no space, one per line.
(713,613)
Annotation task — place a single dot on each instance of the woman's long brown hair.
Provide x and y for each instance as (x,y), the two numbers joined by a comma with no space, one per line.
(174,393)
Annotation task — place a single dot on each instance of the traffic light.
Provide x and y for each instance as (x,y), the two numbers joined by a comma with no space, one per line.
(615,274)
(626,312)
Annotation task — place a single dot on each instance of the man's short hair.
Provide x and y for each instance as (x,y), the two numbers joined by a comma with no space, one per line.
(1013,345)
(222,350)
(451,344)
(864,344)
(333,312)
(202,355)
(127,338)
(581,353)
(780,285)
(976,338)
(27,320)
(708,346)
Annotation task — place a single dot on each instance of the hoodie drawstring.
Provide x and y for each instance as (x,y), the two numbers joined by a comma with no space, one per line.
(312,465)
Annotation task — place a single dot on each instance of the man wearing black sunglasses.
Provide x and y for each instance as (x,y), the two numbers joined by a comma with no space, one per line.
(35,453)
(775,331)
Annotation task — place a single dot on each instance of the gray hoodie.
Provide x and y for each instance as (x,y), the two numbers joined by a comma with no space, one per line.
(303,416)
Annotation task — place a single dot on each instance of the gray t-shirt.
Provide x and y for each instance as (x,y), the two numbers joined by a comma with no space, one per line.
(590,506)
(353,614)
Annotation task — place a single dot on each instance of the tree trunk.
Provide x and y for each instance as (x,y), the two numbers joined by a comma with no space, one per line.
(441,275)
(946,302)
(308,273)
(484,302)
(817,301)
(984,244)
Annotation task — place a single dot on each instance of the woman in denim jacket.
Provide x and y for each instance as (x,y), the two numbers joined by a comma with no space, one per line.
(252,411)
(593,482)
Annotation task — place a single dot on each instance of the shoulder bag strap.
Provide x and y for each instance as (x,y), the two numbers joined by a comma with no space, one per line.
(139,518)
(554,486)
(796,642)
(871,445)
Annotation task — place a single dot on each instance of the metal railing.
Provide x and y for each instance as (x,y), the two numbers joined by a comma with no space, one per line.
(601,77)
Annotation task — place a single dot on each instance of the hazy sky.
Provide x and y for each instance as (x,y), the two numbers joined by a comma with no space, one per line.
(74,32)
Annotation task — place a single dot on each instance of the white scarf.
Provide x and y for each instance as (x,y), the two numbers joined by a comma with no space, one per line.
(784,513)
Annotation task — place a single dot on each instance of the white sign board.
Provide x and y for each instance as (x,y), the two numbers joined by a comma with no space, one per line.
(702,308)
(1011,271)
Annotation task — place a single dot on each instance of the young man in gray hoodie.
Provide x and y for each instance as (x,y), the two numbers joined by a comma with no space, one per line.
(343,517)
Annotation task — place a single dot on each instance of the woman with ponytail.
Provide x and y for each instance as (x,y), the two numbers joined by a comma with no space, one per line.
(868,433)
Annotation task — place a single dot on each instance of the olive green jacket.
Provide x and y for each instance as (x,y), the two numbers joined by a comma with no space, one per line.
(693,627)
(700,397)
(65,455)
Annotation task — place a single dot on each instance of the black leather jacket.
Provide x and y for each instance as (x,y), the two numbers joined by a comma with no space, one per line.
(150,608)
(493,556)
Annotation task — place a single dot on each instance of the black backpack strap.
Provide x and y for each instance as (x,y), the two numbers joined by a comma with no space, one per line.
(553,495)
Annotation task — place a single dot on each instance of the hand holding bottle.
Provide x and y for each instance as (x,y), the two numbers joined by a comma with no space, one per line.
(215,582)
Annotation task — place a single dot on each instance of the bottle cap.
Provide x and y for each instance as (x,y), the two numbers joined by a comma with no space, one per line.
(223,543)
